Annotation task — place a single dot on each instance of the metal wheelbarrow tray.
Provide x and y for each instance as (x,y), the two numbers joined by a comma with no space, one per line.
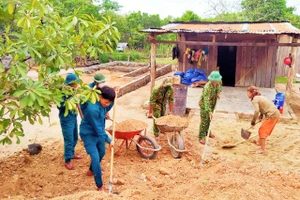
(146,146)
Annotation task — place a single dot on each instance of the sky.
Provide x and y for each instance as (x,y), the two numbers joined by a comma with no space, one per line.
(175,8)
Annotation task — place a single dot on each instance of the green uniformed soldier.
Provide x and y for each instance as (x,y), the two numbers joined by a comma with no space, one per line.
(160,95)
(210,94)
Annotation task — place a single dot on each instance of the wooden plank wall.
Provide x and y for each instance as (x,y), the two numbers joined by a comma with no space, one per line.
(255,65)
(247,62)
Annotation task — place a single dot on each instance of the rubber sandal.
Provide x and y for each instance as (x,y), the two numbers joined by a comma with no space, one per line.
(89,173)
(202,142)
(259,151)
(69,166)
(77,156)
(212,136)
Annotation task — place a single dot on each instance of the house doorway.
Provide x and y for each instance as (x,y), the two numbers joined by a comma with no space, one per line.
(227,64)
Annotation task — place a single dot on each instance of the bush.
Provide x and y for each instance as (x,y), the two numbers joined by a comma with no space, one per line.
(282,79)
(120,56)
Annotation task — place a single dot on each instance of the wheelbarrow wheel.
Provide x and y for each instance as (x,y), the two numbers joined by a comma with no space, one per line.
(177,142)
(147,142)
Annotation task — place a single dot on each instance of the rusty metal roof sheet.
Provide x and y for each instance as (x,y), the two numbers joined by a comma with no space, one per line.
(230,27)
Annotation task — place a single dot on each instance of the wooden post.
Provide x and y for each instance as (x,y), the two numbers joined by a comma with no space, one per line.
(214,53)
(153,60)
(291,74)
(182,47)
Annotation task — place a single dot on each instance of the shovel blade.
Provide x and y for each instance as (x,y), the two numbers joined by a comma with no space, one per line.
(245,134)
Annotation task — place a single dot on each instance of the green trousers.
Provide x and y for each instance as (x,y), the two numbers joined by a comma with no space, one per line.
(204,123)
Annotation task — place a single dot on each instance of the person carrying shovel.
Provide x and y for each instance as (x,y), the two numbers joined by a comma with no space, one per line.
(263,108)
(210,94)
(92,132)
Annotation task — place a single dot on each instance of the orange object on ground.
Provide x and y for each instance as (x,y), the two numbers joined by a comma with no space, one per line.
(267,127)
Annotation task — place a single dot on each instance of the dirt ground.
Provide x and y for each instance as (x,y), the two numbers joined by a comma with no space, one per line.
(236,173)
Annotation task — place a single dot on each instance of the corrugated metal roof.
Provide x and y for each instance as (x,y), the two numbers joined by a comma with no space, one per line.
(231,27)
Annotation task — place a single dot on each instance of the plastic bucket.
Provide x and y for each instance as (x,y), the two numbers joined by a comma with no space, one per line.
(279,100)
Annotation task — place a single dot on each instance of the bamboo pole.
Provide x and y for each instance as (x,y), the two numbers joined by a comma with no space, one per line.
(153,61)
(291,75)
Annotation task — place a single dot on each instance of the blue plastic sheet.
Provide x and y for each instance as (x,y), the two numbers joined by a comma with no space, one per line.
(191,76)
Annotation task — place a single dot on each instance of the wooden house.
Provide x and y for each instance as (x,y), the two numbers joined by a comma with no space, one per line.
(246,52)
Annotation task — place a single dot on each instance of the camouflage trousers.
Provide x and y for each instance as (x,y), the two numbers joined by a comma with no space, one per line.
(157,114)
(204,124)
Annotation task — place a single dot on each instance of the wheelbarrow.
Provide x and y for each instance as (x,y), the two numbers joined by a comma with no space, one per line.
(176,141)
(146,146)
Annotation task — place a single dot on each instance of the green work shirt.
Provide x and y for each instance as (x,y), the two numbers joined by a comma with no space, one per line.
(209,97)
(160,96)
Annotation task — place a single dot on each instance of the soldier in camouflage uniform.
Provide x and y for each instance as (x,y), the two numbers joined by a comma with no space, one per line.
(161,94)
(207,103)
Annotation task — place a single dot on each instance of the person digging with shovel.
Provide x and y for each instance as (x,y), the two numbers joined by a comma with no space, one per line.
(69,126)
(210,94)
(92,132)
(264,110)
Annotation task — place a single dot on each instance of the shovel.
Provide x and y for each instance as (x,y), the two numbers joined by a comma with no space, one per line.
(230,146)
(245,133)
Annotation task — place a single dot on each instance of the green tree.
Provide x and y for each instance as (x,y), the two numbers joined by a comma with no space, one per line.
(67,7)
(33,29)
(266,10)
(108,5)
(189,16)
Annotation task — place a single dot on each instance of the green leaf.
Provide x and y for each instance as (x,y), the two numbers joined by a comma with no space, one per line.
(20,114)
(69,26)
(53,124)
(98,33)
(8,141)
(31,120)
(13,70)
(40,101)
(61,61)
(22,69)
(24,101)
(75,20)
(1,68)
(40,120)
(18,133)
(36,53)
(11,8)
(49,59)
(18,93)
(12,113)
(2,111)
(29,101)
(18,140)
(32,96)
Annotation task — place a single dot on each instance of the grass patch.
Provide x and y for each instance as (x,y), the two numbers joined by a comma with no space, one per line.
(282,79)
(160,61)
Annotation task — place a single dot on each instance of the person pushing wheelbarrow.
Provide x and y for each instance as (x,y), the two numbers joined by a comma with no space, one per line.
(160,95)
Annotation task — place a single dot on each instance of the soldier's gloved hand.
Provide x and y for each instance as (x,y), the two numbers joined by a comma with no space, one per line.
(252,123)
